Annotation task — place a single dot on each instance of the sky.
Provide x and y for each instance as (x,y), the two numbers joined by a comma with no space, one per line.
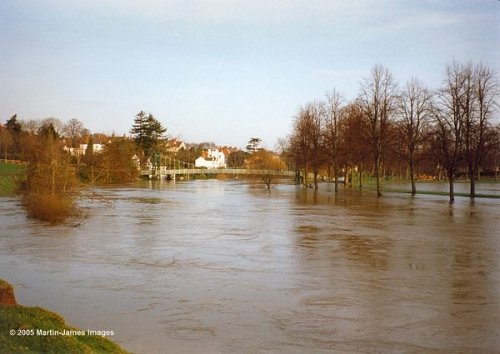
(223,70)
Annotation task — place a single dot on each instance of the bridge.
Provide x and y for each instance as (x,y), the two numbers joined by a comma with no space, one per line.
(165,172)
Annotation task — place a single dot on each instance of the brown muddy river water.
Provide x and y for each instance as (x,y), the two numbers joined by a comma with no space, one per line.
(228,267)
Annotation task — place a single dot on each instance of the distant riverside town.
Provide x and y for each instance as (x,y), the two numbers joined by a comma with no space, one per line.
(211,156)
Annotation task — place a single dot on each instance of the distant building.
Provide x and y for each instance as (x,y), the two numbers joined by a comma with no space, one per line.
(211,158)
(97,148)
(175,145)
(80,150)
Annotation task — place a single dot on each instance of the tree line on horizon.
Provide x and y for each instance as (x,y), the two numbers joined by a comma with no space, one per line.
(409,130)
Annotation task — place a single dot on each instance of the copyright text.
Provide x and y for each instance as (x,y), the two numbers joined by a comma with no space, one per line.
(61,332)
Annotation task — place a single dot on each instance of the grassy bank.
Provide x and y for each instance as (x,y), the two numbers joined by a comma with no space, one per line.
(10,177)
(467,195)
(35,330)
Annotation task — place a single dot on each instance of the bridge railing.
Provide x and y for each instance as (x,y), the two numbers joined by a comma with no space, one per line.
(232,171)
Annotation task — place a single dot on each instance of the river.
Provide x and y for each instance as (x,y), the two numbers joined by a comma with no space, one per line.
(225,266)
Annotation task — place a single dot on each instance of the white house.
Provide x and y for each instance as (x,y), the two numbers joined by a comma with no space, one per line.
(96,148)
(212,158)
(80,151)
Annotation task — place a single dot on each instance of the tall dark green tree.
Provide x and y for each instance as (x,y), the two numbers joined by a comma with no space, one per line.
(14,129)
(147,131)
(13,125)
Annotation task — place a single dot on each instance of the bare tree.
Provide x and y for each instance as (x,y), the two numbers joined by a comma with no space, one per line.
(306,142)
(74,130)
(494,150)
(30,126)
(449,118)
(268,163)
(414,112)
(354,143)
(377,101)
(56,123)
(333,121)
(478,106)
(282,147)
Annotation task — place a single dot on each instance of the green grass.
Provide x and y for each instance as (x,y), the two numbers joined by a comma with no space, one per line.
(10,177)
(404,191)
(4,284)
(25,321)
(21,331)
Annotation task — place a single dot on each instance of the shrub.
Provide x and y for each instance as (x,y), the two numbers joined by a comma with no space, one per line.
(48,207)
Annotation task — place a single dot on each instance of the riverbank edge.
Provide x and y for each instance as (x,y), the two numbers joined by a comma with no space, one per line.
(37,330)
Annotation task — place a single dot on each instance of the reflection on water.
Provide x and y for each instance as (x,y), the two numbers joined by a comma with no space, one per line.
(225,266)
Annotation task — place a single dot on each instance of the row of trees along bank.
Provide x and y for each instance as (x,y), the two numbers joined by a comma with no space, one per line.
(385,129)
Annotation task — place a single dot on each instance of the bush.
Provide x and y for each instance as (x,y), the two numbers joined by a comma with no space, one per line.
(48,207)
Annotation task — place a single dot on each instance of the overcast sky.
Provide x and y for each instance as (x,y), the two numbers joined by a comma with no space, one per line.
(223,70)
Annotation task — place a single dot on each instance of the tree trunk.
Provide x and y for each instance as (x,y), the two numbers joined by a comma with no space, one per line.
(377,176)
(452,192)
(335,171)
(305,176)
(412,178)
(267,180)
(361,176)
(315,179)
(53,187)
(472,184)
